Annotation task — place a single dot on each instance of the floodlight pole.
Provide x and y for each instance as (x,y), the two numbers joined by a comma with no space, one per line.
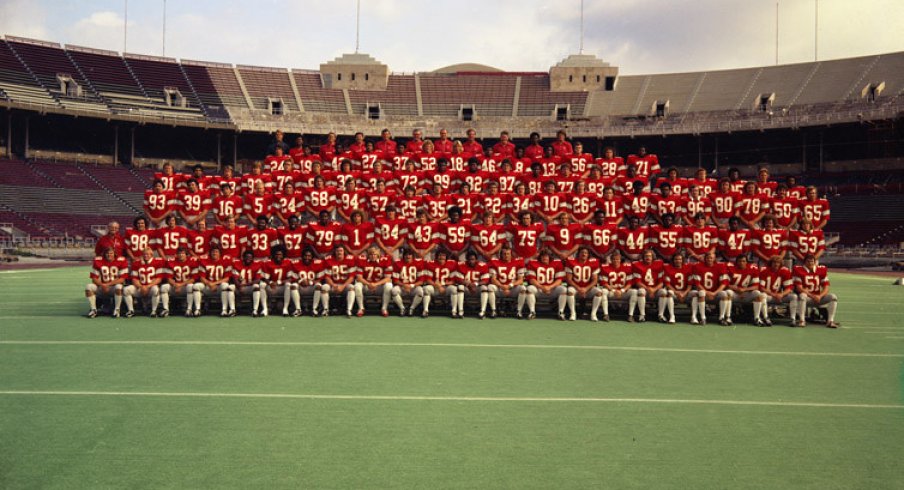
(581,49)
(776,33)
(164,28)
(358,27)
(816,33)
(125,27)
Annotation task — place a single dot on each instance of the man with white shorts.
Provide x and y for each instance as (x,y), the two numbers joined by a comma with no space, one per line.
(108,274)
(544,277)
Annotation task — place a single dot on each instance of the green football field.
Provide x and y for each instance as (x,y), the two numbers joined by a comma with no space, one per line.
(412,403)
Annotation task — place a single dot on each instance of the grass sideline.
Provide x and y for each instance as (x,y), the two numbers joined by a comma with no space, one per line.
(412,403)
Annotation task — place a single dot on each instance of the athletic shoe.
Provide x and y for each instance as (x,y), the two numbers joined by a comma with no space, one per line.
(605,318)
(832,324)
(152,314)
(197,313)
(348,314)
(224,314)
(723,322)
(254,314)
(631,319)
(561,316)
(188,314)
(728,322)
(532,315)
(519,316)
(572,318)
(384,313)
(92,313)
(801,324)
(296,313)
(164,313)
(661,319)
(492,313)
(231,313)
(694,321)
(115,314)
(758,323)
(425,314)
(461,316)
(325,314)
(642,319)
(593,318)
(481,315)
(130,314)
(767,322)
(360,313)
(265,313)
(703,321)
(285,313)
(672,321)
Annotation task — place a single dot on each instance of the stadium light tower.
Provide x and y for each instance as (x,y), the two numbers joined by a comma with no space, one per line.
(125,27)
(581,48)
(164,28)
(358,27)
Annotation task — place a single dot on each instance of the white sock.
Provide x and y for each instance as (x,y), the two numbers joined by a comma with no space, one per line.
(349,299)
(484,297)
(397,299)
(701,305)
(129,302)
(197,295)
(224,299)
(661,306)
(605,304)
(563,299)
(387,293)
(255,298)
(117,301)
(461,302)
(265,298)
(830,310)
(642,305)
(595,305)
(287,298)
(532,302)
(325,301)
(416,301)
(92,302)
(427,303)
(694,307)
(189,299)
(670,304)
(164,298)
(632,303)
(723,308)
(802,310)
(359,295)
(570,300)
(522,298)
(296,299)
(316,301)
(491,295)
(155,301)
(231,297)
(757,309)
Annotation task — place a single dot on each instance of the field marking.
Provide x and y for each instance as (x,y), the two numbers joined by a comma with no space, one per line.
(302,396)
(440,345)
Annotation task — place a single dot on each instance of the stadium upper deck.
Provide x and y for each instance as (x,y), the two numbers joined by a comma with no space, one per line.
(46,77)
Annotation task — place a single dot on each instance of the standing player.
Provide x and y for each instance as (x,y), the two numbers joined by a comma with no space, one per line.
(644,164)
(807,241)
(170,238)
(227,205)
(488,236)
(230,239)
(700,238)
(193,203)
(138,238)
(108,275)
(323,235)
(633,240)
(292,238)
(666,238)
(814,209)
(770,241)
(159,202)
(812,286)
(734,241)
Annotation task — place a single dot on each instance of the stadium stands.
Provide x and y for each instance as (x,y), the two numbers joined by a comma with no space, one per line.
(264,84)
(490,94)
(535,99)
(399,98)
(108,74)
(316,98)
(17,83)
(155,75)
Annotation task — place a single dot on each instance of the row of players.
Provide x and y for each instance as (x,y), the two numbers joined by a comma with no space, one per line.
(418,281)
(476,191)
(486,237)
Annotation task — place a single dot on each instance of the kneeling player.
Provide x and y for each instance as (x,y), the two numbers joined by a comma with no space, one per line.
(375,278)
(147,275)
(710,279)
(777,287)
(582,277)
(182,273)
(812,286)
(544,277)
(108,274)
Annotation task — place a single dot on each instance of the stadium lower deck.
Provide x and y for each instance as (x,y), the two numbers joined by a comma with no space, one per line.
(407,402)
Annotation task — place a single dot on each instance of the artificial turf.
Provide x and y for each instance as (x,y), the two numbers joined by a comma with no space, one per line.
(439,403)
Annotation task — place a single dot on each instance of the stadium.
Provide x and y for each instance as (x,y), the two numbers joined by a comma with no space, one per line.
(227,275)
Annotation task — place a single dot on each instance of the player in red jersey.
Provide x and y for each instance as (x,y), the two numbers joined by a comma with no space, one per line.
(379,199)
(471,145)
(545,279)
(138,238)
(181,275)
(422,235)
(340,273)
(374,274)
(323,235)
(646,281)
(581,203)
(666,238)
(752,206)
(785,208)
(700,238)
(305,162)
(519,201)
(472,277)
(710,281)
(693,204)
(278,277)
(427,158)
(676,285)
(358,235)
(409,203)
(744,286)
(309,274)
(625,183)
(725,203)
(440,280)
(638,203)
(645,164)
(506,279)
(227,205)
(706,184)
(806,241)
(490,160)
(579,161)
(292,237)
(795,191)
(467,201)
(386,144)
(549,164)
(812,286)
(534,179)
(667,202)
(391,232)
(262,238)
(170,238)
(193,203)
(108,276)
(437,203)
(230,239)
(159,203)
(547,205)
(566,178)
(169,177)
(370,157)
(287,203)
(409,177)
(442,176)
(443,144)
(488,237)
(199,240)
(777,287)
(146,276)
(247,279)
(678,184)
(583,281)
(112,239)
(227,178)
(561,146)
(764,184)
(734,241)
(613,206)
(771,241)
(213,277)
(563,238)
(609,164)
(251,179)
(737,183)
(350,200)
(358,147)
(408,278)
(457,159)
(344,175)
(814,209)
(634,239)
(456,233)
(416,142)
(493,201)
(474,176)
(258,203)
(277,162)
(525,235)
(521,163)
(534,150)
(320,198)
(599,236)
(297,151)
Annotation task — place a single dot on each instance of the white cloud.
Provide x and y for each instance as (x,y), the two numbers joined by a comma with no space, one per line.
(23,18)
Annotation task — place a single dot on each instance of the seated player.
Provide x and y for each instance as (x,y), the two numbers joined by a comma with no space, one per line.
(777,287)
(146,276)
(309,272)
(108,275)
(440,280)
(159,203)
(506,279)
(472,277)
(375,277)
(676,286)
(545,279)
(340,273)
(214,276)
(563,238)
(357,235)
(812,287)
(647,282)
(710,280)
(582,279)
(744,286)
(138,238)
(278,277)
(247,279)
(182,274)
(616,279)
(408,277)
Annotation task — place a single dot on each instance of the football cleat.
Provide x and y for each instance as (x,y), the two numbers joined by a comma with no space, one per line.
(115,314)
(561,316)
(164,313)
(631,319)
(348,314)
(152,314)
(232,313)
(767,322)
(593,318)
(832,324)
(481,315)
(492,313)
(360,313)
(197,313)
(519,316)
(92,313)
(188,314)
(285,313)
(672,321)
(425,314)
(130,314)
(325,314)
(224,314)
(384,313)
(605,318)
(532,315)
(728,322)
(461,316)
(642,319)
(661,319)
(296,313)
(694,321)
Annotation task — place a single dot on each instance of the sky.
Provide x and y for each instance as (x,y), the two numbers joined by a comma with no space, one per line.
(638,36)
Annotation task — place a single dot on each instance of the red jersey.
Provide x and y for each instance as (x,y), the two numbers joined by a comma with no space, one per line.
(168,240)
(399,160)
(374,271)
(246,275)
(549,166)
(580,163)
(109,271)
(743,278)
(215,270)
(625,185)
(638,205)
(391,232)
(408,206)
(456,236)
(368,159)
(633,242)
(648,275)
(422,236)
(497,204)
(491,163)
(377,202)
(816,211)
(231,242)
(770,242)
(444,179)
(583,274)
(725,204)
(116,242)
(610,166)
(488,236)
(750,207)
(358,237)
(199,242)
(813,281)
(561,148)
(458,162)
(293,240)
(506,273)
(388,147)
(707,186)
(518,203)
(785,210)
(525,239)
(545,274)
(709,278)
(258,205)
(288,204)
(304,163)
(324,238)
(476,180)
(224,207)
(565,184)
(170,182)
(700,240)
(734,243)
(563,238)
(437,206)
(339,179)
(427,161)
(318,200)
(601,239)
(261,241)
(194,203)
(617,277)
(183,271)
(147,272)
(807,243)
(582,206)
(219,183)
(666,241)
(797,192)
(647,165)
(340,271)
(767,188)
(614,208)
(506,149)
(409,273)
(136,241)
(549,204)
(676,277)
(250,181)
(308,274)
(404,178)
(159,205)
(281,273)
(668,205)
(472,147)
(691,207)
(507,181)
(534,151)
(775,281)
(273,163)
(469,203)
(441,273)
(350,201)
(679,185)
(479,274)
